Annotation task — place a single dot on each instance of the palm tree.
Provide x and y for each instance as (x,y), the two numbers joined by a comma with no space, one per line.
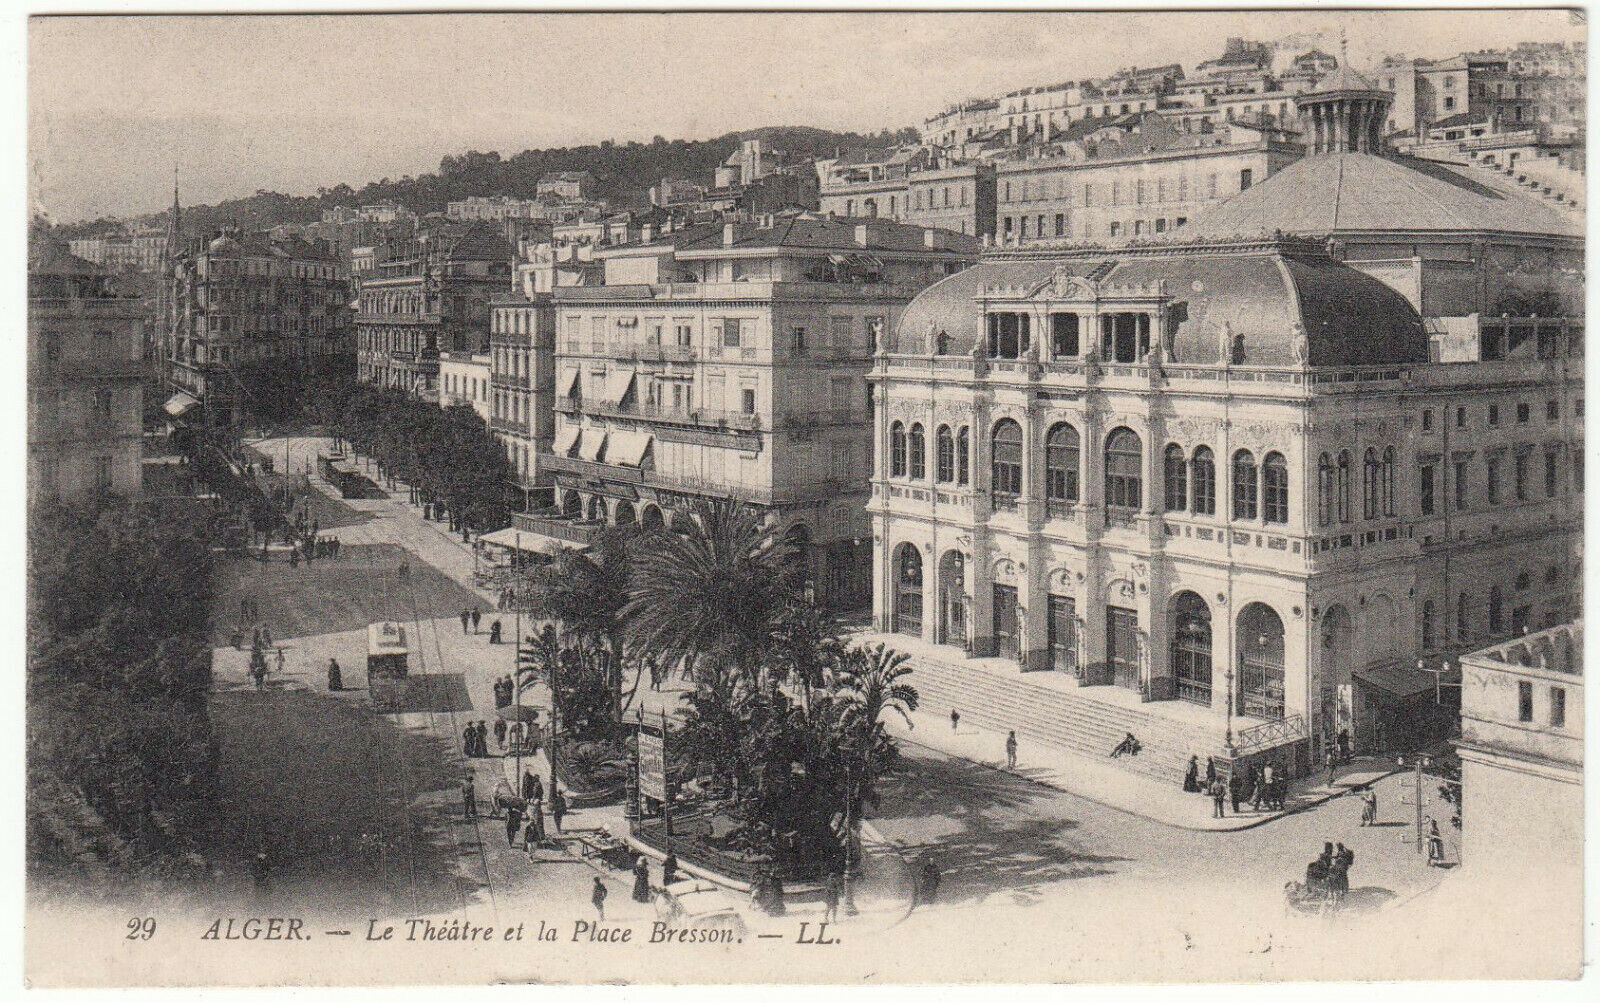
(872,682)
(586,592)
(715,587)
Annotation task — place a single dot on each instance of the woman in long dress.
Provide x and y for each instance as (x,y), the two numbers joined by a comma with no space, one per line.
(1191,778)
(641,881)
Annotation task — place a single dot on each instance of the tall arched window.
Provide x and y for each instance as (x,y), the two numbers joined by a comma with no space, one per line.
(919,453)
(963,456)
(1343,487)
(1324,490)
(1497,610)
(1244,485)
(1275,488)
(1388,481)
(908,590)
(1429,628)
(897,450)
(1061,464)
(1463,623)
(1369,484)
(945,465)
(1005,459)
(1204,471)
(1175,478)
(1124,481)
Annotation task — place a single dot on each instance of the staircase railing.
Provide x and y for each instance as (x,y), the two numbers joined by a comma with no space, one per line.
(1289,729)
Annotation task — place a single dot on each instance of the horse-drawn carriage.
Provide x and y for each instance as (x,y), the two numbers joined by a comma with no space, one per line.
(387,665)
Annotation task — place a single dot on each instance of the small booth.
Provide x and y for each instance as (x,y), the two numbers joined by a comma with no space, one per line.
(387,665)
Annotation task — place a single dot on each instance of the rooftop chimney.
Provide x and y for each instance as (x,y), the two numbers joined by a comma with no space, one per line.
(727,234)
(863,235)
(646,233)
(932,239)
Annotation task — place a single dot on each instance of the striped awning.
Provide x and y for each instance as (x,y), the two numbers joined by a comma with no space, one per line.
(180,404)
(628,448)
(617,384)
(569,380)
(566,438)
(591,443)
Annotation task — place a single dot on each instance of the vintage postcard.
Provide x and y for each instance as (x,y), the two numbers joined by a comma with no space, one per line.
(805,497)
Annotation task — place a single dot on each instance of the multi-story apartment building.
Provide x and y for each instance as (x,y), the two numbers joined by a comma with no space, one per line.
(961,122)
(958,197)
(870,185)
(85,380)
(729,360)
(1521,750)
(143,249)
(670,192)
(464,379)
(522,382)
(1128,178)
(571,185)
(430,295)
(1217,492)
(241,299)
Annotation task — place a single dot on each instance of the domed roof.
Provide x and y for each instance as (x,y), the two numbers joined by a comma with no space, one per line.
(1339,192)
(1269,293)
(224,245)
(1343,80)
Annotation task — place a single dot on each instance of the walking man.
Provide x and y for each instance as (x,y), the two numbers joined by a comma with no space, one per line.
(1011,750)
(830,897)
(955,719)
(500,733)
(466,618)
(280,661)
(513,824)
(477,614)
(558,807)
(598,896)
(469,800)
(335,678)
(1369,807)
(469,736)
(1331,762)
(1219,792)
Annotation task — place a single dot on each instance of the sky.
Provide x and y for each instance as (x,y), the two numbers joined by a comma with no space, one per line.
(293,103)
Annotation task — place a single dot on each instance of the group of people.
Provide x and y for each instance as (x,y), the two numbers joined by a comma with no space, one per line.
(505,692)
(470,618)
(1330,872)
(1260,786)
(475,740)
(766,892)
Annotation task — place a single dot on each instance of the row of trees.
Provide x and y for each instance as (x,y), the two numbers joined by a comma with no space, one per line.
(449,454)
(785,719)
(122,761)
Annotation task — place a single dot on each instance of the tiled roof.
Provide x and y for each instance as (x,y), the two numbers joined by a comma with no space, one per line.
(1261,291)
(1361,192)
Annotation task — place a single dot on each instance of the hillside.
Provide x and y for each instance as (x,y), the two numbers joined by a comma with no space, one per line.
(623,174)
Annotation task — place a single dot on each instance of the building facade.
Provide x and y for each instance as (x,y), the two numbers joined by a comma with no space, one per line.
(85,380)
(430,294)
(729,360)
(240,299)
(522,382)
(464,379)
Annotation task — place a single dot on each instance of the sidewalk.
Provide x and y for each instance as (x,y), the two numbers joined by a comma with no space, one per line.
(1106,784)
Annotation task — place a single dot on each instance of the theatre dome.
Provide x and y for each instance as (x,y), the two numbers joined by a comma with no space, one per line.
(1255,303)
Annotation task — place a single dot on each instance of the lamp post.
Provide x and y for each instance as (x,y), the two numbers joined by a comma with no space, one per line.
(1227,738)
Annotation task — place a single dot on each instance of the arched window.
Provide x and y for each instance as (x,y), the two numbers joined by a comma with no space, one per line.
(1497,610)
(1259,637)
(1204,474)
(1124,482)
(1191,648)
(1324,490)
(1463,623)
(1429,629)
(1343,487)
(1175,478)
(1005,459)
(919,453)
(1244,485)
(1388,481)
(897,450)
(908,590)
(945,465)
(1061,464)
(963,456)
(1369,484)
(1275,488)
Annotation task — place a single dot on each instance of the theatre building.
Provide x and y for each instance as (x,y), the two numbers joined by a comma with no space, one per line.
(1211,493)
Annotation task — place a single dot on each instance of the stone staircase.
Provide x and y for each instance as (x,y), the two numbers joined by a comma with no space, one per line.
(1046,716)
(1542,177)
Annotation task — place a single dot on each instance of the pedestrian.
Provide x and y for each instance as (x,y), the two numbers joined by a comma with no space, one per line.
(1191,776)
(280,661)
(258,671)
(335,677)
(930,881)
(255,639)
(1236,789)
(1219,793)
(641,880)
(500,734)
(530,833)
(1011,750)
(669,869)
(1435,844)
(1344,745)
(532,788)
(477,614)
(1369,807)
(558,806)
(466,618)
(469,800)
(294,556)
(1339,873)
(1211,771)
(483,738)
(598,895)
(536,820)
(831,890)
(513,824)
(469,740)
(266,636)
(1331,763)
(955,719)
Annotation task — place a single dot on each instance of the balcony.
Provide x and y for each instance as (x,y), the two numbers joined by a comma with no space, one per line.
(508,425)
(592,469)
(820,419)
(736,421)
(556,526)
(508,381)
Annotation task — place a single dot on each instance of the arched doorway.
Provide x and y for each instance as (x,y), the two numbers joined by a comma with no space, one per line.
(651,519)
(597,509)
(953,598)
(908,590)
(1191,648)
(1338,687)
(1260,644)
(572,505)
(623,516)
